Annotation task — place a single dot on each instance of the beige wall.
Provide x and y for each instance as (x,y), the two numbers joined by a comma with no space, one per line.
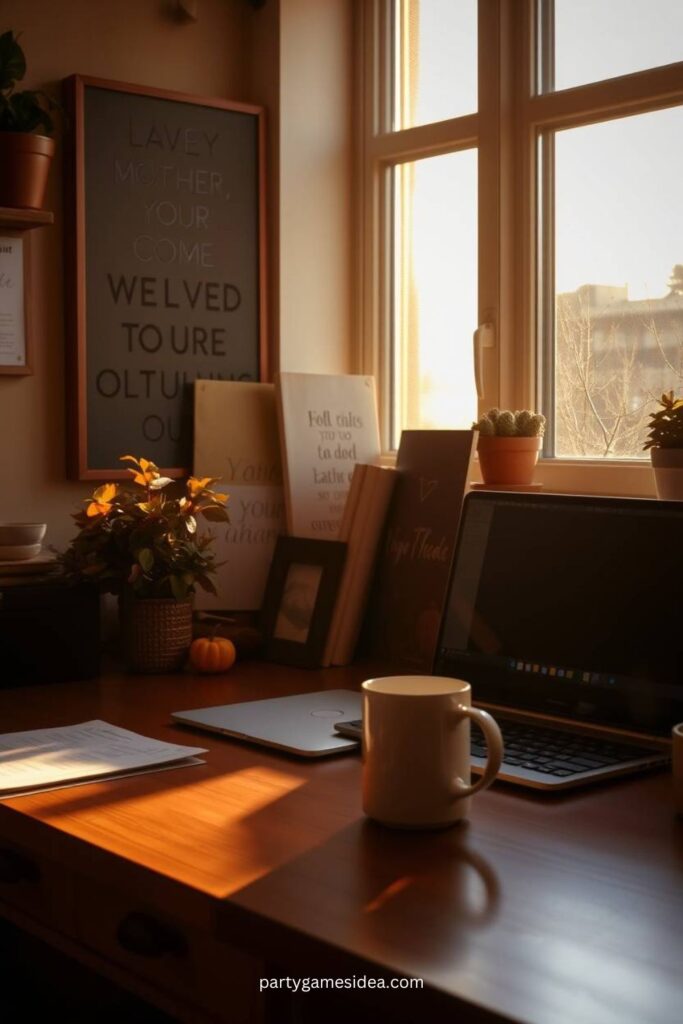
(302,62)
(315,185)
(295,57)
(129,40)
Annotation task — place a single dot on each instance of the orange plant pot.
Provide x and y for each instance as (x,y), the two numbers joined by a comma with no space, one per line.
(24,166)
(508,460)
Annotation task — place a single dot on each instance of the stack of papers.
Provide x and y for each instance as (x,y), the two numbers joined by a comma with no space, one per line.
(71,755)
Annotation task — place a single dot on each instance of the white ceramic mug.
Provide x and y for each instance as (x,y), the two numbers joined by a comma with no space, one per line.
(416,750)
(677,759)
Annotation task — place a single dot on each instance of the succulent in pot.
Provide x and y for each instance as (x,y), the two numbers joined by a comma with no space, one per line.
(665,444)
(508,445)
(26,127)
(142,543)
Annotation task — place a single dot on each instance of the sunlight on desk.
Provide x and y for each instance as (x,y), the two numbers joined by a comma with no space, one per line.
(251,790)
(224,815)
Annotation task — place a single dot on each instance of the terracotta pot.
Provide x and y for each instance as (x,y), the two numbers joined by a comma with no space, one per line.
(24,167)
(667,464)
(508,460)
(156,633)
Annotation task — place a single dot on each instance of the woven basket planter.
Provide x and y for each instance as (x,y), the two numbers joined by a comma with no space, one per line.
(156,633)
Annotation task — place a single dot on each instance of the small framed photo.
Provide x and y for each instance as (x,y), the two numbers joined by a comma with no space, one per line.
(299,600)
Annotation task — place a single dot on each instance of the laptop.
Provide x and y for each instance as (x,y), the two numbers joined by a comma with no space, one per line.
(565,613)
(302,724)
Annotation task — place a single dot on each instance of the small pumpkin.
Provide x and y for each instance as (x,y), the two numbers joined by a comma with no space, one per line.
(212,654)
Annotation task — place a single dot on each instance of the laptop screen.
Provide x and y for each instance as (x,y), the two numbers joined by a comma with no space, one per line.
(570,606)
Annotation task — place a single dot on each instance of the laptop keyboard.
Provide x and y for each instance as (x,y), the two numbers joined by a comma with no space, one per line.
(557,753)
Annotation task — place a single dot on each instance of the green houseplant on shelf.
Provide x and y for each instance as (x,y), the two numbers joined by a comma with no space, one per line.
(665,443)
(508,445)
(26,126)
(144,545)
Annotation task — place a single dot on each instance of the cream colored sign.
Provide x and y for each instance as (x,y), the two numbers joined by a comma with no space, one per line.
(12,328)
(244,547)
(328,425)
(235,439)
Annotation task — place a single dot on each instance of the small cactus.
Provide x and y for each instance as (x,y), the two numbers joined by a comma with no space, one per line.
(524,420)
(530,424)
(485,426)
(504,423)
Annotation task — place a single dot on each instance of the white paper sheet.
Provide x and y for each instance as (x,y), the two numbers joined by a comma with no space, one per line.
(72,754)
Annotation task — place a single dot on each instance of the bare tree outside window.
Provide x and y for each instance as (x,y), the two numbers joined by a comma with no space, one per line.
(617,240)
(614,358)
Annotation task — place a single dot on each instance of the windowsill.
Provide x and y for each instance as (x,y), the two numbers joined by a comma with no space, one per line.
(596,476)
(620,477)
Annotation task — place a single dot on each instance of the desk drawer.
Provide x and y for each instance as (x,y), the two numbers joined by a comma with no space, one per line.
(168,954)
(37,887)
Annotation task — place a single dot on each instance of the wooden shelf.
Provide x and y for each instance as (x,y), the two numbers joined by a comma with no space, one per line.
(25,220)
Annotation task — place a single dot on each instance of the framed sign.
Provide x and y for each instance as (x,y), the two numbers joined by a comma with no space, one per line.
(167,260)
(14,309)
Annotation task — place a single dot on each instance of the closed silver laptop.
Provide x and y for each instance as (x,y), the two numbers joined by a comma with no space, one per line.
(302,724)
(565,614)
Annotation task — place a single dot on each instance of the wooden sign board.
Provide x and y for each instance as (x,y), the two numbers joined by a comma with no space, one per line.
(166,251)
(432,469)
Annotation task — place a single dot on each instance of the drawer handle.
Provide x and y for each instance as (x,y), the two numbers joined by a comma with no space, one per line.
(145,936)
(15,867)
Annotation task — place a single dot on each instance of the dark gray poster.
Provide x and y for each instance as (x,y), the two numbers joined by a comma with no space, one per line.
(171,265)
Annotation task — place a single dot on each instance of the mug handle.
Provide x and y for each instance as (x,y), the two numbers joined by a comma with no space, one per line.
(494,743)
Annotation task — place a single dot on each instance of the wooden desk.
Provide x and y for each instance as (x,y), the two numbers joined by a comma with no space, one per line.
(547,910)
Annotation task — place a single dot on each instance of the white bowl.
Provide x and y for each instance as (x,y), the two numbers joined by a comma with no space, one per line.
(12,534)
(18,552)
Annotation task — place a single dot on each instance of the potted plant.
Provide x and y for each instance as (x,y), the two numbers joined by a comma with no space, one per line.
(143,544)
(508,445)
(665,442)
(26,148)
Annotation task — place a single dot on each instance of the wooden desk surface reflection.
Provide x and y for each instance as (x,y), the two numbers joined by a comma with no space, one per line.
(548,910)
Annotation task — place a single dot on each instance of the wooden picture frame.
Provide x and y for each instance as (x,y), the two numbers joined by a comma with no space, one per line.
(21,366)
(166,261)
(299,601)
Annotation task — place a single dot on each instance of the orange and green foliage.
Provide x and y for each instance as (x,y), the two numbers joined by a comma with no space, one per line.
(141,537)
(666,424)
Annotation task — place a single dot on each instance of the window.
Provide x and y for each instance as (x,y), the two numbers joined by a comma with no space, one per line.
(434,61)
(434,297)
(593,40)
(618,232)
(420,185)
(518,171)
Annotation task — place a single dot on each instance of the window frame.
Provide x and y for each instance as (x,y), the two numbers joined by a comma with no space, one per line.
(512,116)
